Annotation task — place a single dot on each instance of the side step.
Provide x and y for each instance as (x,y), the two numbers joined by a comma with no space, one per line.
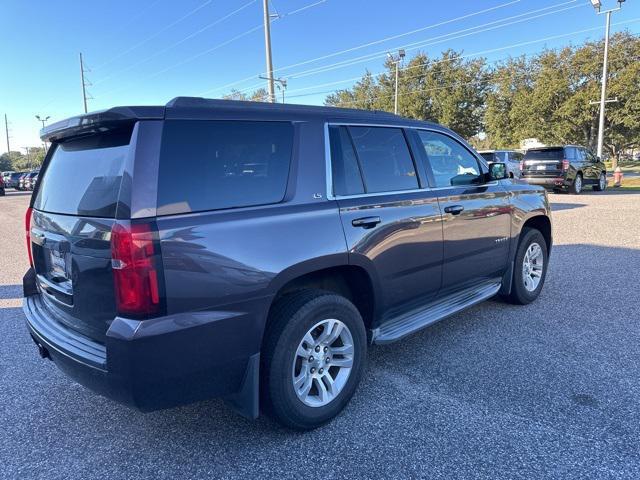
(403,325)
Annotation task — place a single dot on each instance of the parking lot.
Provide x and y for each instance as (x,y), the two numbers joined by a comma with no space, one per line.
(549,390)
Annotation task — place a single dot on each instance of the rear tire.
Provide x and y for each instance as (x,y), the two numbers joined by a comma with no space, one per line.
(525,291)
(576,186)
(298,350)
(602,183)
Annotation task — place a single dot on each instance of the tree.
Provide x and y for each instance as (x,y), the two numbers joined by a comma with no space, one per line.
(260,95)
(449,90)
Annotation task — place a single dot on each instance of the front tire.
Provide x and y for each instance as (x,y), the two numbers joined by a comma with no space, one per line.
(313,358)
(530,267)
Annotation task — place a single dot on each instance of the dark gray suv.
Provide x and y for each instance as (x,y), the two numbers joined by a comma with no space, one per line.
(301,236)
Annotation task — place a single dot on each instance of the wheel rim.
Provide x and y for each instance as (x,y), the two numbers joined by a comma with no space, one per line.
(578,183)
(532,267)
(603,182)
(322,363)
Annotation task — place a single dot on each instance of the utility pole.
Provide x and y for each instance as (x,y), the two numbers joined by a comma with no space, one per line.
(282,84)
(267,44)
(84,84)
(6,129)
(597,4)
(397,61)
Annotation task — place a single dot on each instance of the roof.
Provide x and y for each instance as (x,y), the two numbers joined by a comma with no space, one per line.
(205,108)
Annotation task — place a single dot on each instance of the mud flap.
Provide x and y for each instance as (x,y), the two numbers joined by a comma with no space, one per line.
(507,280)
(246,401)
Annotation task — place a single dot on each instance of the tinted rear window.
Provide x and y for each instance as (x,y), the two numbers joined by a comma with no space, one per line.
(208,165)
(545,154)
(83,176)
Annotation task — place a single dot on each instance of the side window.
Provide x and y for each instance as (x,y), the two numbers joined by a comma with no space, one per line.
(516,157)
(208,165)
(571,153)
(451,163)
(591,157)
(347,179)
(384,159)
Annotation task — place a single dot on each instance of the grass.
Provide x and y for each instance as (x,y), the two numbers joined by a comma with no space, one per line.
(628,184)
(626,167)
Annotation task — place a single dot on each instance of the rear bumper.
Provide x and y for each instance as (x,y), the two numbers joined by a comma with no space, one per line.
(547,182)
(159,363)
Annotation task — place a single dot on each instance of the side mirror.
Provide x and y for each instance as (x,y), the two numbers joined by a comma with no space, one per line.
(497,171)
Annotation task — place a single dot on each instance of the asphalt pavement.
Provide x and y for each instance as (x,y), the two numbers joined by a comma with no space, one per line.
(549,390)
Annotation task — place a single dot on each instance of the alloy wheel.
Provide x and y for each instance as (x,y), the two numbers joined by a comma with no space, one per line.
(532,267)
(322,363)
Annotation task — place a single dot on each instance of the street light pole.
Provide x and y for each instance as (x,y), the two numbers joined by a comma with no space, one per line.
(603,92)
(597,4)
(43,120)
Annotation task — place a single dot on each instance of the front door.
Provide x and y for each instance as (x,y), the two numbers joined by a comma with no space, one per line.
(476,215)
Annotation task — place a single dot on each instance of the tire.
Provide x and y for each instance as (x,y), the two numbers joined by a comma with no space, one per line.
(293,318)
(602,183)
(576,186)
(521,293)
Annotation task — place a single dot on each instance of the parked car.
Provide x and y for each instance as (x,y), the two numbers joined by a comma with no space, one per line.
(511,158)
(2,187)
(28,182)
(21,181)
(564,168)
(302,235)
(11,181)
(33,181)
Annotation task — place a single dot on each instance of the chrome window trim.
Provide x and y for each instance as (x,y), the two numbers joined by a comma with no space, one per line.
(329,171)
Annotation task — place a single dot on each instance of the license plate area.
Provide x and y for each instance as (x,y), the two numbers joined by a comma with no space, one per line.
(541,167)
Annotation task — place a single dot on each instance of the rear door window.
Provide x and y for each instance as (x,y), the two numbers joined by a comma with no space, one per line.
(209,165)
(347,179)
(384,158)
(83,176)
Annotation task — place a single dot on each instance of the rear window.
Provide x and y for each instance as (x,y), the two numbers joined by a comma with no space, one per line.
(208,165)
(83,176)
(545,154)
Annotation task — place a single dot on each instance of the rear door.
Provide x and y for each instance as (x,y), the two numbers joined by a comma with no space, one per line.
(476,215)
(75,206)
(391,222)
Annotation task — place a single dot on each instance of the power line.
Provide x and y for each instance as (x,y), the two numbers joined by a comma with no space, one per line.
(433,40)
(494,25)
(209,50)
(364,45)
(545,39)
(179,42)
(162,30)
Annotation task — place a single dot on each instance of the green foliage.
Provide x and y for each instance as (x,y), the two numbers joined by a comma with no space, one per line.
(260,95)
(17,161)
(544,96)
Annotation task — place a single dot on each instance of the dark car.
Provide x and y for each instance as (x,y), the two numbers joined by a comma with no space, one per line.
(564,168)
(12,180)
(302,235)
(511,158)
(2,186)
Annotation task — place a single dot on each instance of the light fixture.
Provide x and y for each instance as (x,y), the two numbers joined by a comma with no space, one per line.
(596,4)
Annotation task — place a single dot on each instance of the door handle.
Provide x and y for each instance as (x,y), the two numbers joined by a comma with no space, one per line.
(454,209)
(366,222)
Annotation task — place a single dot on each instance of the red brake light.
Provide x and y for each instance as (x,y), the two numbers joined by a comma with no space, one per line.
(27,227)
(565,165)
(135,261)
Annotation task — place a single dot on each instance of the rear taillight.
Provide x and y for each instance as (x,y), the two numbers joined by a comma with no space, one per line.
(27,228)
(565,165)
(137,270)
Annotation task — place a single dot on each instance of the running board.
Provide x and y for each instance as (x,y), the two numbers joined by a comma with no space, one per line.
(408,323)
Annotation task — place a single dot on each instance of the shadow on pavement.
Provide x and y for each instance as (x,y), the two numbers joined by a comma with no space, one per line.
(10,291)
(566,206)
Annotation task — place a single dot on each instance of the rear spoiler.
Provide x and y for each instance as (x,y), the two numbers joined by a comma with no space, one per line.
(101,121)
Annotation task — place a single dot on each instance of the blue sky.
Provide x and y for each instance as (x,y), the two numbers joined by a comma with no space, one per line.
(147,52)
